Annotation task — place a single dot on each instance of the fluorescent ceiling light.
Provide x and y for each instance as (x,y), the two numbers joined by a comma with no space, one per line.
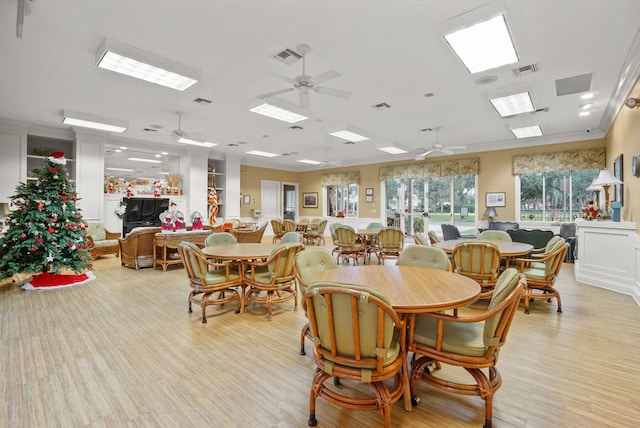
(392,148)
(194,142)
(347,132)
(310,161)
(94,122)
(277,109)
(143,65)
(145,160)
(584,113)
(121,169)
(484,46)
(261,153)
(527,131)
(586,96)
(513,104)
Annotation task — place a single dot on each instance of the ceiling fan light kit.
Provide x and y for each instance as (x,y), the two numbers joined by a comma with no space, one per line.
(94,122)
(134,62)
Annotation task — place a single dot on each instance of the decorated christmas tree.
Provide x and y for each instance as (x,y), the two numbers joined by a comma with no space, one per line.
(46,232)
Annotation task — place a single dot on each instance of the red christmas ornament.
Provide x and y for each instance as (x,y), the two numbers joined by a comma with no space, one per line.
(34,249)
(23,235)
(51,230)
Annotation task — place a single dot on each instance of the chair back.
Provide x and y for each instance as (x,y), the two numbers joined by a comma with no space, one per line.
(503,225)
(322,226)
(420,239)
(315,221)
(332,230)
(345,235)
(220,238)
(281,262)
(277,226)
(254,236)
(353,325)
(496,326)
(289,225)
(375,226)
(479,260)
(310,262)
(556,253)
(291,237)
(568,230)
(390,241)
(433,238)
(494,236)
(426,257)
(449,232)
(97,231)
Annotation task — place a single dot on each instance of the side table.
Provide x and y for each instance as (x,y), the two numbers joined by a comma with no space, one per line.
(164,241)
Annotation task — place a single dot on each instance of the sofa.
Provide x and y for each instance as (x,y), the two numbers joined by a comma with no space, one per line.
(136,249)
(503,225)
(536,237)
(104,242)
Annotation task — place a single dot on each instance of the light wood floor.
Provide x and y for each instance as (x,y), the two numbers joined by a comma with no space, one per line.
(123,351)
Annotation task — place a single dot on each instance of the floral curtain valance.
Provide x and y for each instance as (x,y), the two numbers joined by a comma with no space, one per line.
(430,169)
(349,177)
(560,161)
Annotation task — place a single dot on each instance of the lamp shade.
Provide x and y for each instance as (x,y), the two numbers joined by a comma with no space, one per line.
(605,179)
(490,212)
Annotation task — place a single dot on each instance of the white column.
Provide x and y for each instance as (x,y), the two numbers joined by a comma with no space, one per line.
(89,164)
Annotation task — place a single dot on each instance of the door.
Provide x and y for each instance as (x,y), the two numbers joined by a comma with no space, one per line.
(270,201)
(289,201)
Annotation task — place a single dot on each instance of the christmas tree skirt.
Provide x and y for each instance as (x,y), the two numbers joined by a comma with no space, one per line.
(50,281)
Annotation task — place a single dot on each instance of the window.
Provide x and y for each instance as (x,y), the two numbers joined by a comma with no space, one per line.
(448,199)
(342,198)
(555,195)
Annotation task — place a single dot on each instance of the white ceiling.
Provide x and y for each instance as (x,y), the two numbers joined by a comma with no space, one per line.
(387,52)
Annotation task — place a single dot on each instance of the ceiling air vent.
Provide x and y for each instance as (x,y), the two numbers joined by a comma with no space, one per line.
(149,130)
(573,84)
(296,127)
(286,55)
(527,69)
(381,106)
(202,101)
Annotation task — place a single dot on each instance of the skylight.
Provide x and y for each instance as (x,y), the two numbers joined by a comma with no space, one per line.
(484,46)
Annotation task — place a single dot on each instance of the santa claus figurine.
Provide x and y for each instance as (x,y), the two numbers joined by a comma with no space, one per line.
(167,219)
(129,189)
(178,222)
(196,221)
(156,189)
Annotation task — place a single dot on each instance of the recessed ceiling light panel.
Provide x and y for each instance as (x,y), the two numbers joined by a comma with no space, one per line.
(94,122)
(511,105)
(527,131)
(277,109)
(262,153)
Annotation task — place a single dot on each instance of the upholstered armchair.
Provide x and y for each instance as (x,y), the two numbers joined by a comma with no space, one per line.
(104,241)
(273,280)
(536,237)
(389,243)
(309,263)
(348,247)
(278,229)
(568,232)
(480,261)
(358,337)
(207,277)
(425,256)
(420,239)
(503,225)
(470,342)
(433,238)
(494,236)
(136,249)
(316,233)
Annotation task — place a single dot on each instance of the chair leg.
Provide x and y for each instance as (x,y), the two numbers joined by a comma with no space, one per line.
(305,331)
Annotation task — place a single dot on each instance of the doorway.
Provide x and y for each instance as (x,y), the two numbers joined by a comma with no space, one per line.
(289,202)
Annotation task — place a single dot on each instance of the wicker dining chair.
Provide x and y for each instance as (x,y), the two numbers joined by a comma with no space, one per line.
(480,261)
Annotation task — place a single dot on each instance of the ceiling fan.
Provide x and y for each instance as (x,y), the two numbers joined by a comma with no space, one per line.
(303,83)
(437,147)
(180,136)
(327,162)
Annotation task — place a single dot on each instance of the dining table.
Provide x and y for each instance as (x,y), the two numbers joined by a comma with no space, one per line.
(410,289)
(242,253)
(507,249)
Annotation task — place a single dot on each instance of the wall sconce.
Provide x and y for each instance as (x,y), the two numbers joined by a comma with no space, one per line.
(632,102)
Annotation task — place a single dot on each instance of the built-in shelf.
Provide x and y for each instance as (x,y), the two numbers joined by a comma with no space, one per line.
(215,177)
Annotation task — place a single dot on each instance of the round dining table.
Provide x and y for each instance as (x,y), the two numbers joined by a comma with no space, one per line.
(240,252)
(507,249)
(410,289)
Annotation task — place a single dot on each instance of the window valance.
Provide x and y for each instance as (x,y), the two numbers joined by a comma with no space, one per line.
(560,161)
(430,169)
(349,177)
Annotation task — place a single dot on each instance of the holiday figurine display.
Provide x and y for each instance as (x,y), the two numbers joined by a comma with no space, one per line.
(129,189)
(179,223)
(46,232)
(156,189)
(196,221)
(167,221)
(212,199)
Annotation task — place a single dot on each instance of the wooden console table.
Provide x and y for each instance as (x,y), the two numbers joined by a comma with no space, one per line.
(169,241)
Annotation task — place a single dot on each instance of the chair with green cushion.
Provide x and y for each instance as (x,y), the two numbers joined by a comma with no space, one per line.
(494,236)
(278,229)
(220,238)
(389,243)
(310,262)
(291,237)
(426,257)
(358,337)
(420,239)
(316,233)
(348,248)
(289,225)
(480,261)
(471,342)
(104,242)
(433,238)
(542,271)
(207,277)
(334,237)
(273,280)
(375,226)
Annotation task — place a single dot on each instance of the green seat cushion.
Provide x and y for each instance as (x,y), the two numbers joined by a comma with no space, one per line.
(459,338)
(105,243)
(219,276)
(535,272)
(97,232)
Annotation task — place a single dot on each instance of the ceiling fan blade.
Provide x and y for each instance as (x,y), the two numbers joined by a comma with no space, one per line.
(457,147)
(323,77)
(304,99)
(274,93)
(280,76)
(447,152)
(333,92)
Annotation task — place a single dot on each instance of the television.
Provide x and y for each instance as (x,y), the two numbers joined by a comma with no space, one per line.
(143,212)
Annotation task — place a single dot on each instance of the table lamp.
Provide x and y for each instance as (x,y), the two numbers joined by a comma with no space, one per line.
(606,180)
(596,189)
(491,213)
